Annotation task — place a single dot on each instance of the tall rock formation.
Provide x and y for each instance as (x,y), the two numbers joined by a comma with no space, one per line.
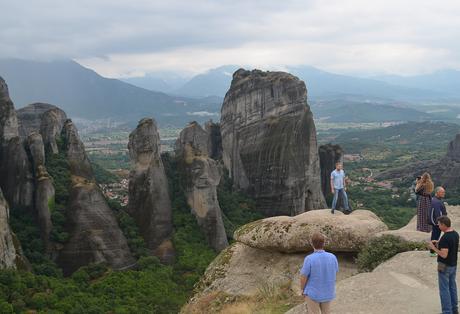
(46,119)
(94,232)
(149,201)
(202,178)
(16,178)
(329,155)
(44,189)
(269,142)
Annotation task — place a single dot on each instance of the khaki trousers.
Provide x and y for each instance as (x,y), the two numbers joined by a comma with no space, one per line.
(316,307)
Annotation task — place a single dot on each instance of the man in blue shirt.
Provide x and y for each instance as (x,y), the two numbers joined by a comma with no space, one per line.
(437,210)
(338,186)
(318,276)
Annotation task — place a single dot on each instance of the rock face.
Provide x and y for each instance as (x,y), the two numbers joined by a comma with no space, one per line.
(46,119)
(44,189)
(215,140)
(7,248)
(345,233)
(149,201)
(329,155)
(269,142)
(94,232)
(202,178)
(16,178)
(407,283)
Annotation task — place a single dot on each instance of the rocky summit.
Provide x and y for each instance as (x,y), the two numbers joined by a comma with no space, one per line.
(203,175)
(269,142)
(149,201)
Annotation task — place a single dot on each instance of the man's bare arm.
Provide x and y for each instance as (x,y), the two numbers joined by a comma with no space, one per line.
(441,252)
(303,282)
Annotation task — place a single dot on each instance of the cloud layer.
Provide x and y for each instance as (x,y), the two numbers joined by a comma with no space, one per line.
(121,38)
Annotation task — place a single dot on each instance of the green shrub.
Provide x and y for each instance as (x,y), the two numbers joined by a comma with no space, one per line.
(380,249)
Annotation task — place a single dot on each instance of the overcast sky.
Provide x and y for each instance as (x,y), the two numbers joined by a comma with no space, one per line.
(131,38)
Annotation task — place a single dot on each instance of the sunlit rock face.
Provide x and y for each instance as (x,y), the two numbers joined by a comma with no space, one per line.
(202,176)
(269,142)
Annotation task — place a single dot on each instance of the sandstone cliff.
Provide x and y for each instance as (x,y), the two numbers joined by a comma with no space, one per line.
(7,247)
(44,189)
(269,142)
(149,201)
(94,232)
(16,179)
(202,178)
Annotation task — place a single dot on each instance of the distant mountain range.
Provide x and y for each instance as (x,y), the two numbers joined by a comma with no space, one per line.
(439,86)
(172,100)
(83,93)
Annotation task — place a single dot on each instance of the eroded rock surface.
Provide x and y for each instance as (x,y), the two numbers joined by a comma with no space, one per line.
(46,119)
(407,283)
(94,232)
(149,201)
(202,178)
(7,247)
(345,233)
(269,142)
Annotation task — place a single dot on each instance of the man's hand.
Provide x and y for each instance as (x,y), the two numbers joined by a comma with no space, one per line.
(332,191)
(432,245)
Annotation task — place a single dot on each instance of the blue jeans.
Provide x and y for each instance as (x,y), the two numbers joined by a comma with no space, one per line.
(448,290)
(336,196)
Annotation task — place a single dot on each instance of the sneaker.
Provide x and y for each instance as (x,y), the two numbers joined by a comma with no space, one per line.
(433,254)
(332,211)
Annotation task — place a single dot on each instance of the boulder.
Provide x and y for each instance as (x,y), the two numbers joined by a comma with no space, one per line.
(345,233)
(407,283)
(269,142)
(202,176)
(243,271)
(149,201)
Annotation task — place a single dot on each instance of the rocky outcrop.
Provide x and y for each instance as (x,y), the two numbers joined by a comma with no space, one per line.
(215,140)
(94,232)
(202,175)
(149,201)
(7,247)
(269,142)
(407,283)
(46,119)
(345,233)
(249,273)
(329,155)
(44,189)
(16,178)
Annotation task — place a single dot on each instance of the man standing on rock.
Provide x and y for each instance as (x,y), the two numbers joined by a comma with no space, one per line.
(318,276)
(437,210)
(338,186)
(447,250)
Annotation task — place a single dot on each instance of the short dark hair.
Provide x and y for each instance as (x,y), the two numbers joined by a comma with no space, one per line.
(318,240)
(445,221)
